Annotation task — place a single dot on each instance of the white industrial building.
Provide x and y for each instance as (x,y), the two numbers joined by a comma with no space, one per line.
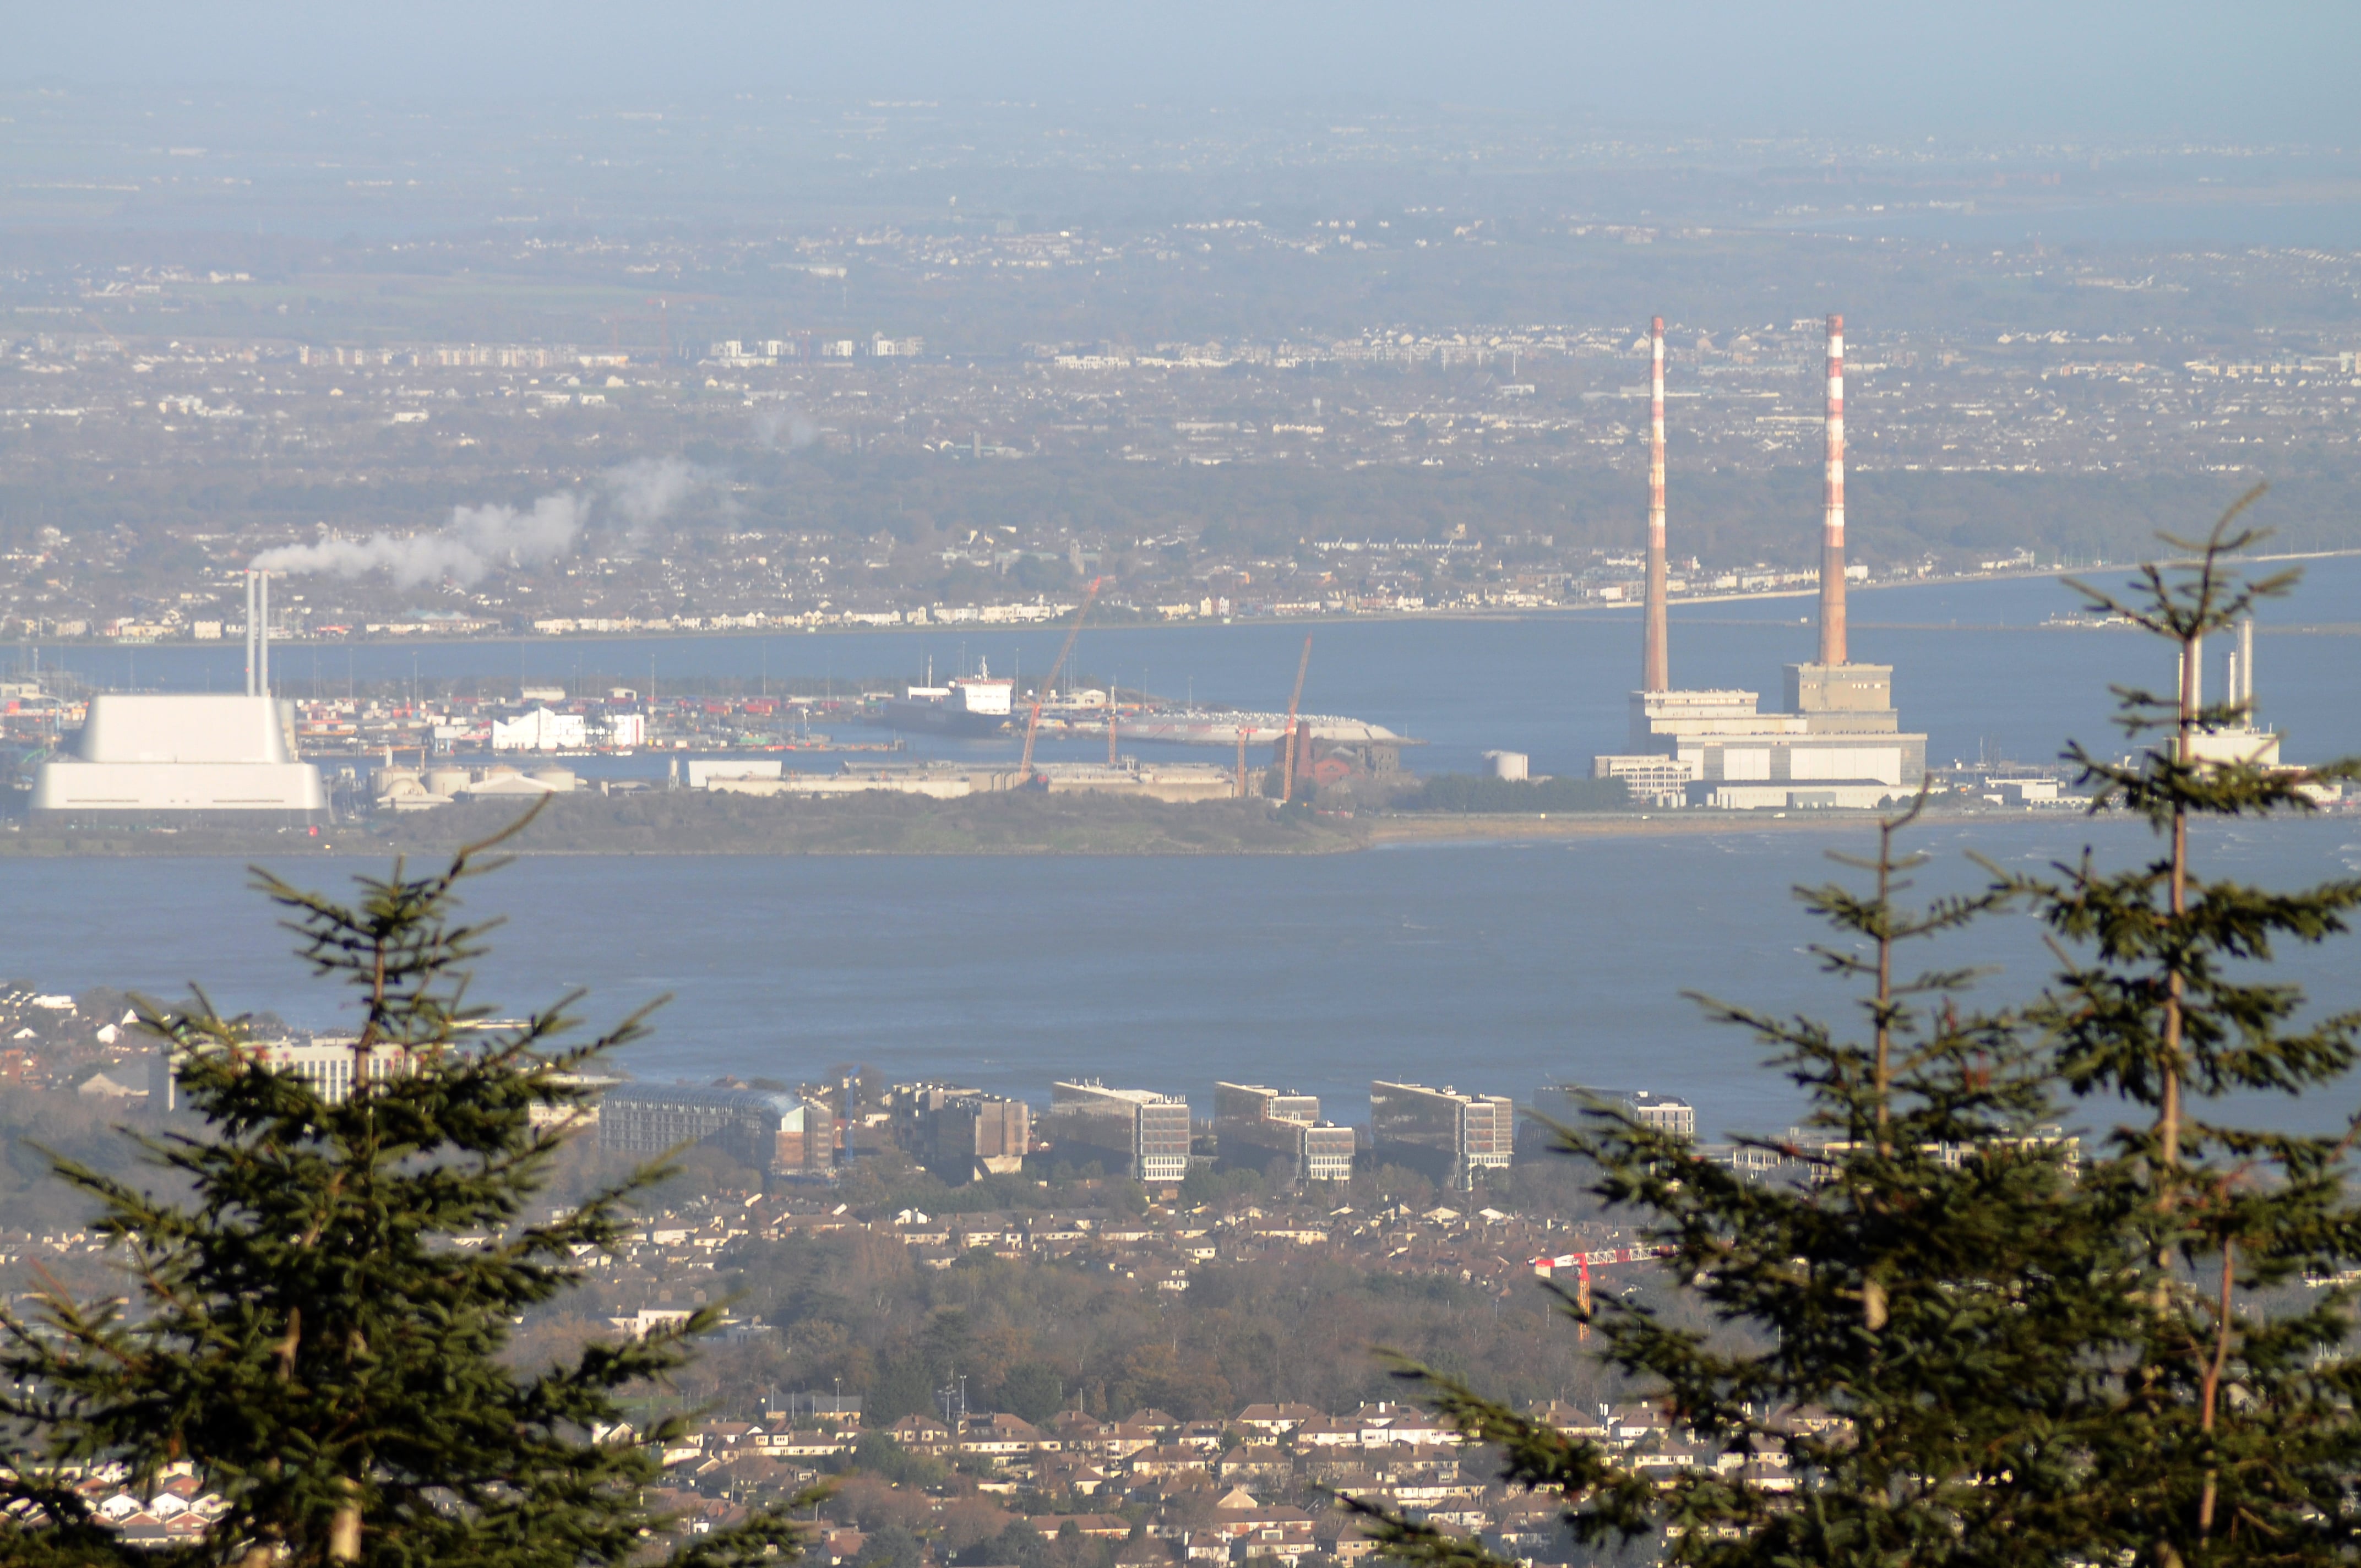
(541,730)
(189,757)
(139,754)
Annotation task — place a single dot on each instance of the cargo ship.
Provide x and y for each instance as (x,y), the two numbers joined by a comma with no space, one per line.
(976,705)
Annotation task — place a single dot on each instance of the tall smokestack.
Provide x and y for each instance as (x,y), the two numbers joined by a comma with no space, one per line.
(1655,658)
(1833,559)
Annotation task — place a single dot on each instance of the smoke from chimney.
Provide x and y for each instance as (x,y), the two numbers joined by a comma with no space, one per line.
(1655,656)
(1833,555)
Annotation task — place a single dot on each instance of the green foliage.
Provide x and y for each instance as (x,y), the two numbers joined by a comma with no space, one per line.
(303,1330)
(892,1547)
(2230,1431)
(2022,1350)
(876,1453)
(1203,1184)
(1033,1338)
(1472,792)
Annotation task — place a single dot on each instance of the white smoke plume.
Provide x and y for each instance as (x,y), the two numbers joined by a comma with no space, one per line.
(476,540)
(647,488)
(790,428)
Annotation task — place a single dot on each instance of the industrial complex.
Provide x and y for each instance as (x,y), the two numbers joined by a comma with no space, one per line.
(197,757)
(1836,742)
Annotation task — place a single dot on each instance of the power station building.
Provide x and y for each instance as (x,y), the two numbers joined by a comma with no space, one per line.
(1839,740)
(1136,1133)
(960,1134)
(1441,1134)
(1254,1125)
(192,758)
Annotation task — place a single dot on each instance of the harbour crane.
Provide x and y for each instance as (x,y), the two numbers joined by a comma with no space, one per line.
(1583,1261)
(1287,770)
(1033,722)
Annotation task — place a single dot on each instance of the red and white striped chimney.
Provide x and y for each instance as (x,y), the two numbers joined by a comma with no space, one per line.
(1655,658)
(1833,555)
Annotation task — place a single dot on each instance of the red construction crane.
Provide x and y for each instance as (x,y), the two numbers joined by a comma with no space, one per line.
(1033,723)
(1581,1263)
(1287,770)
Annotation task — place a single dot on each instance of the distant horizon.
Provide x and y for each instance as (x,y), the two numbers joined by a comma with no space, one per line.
(1822,67)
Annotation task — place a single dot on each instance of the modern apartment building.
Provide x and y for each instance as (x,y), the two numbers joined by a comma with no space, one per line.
(1254,1125)
(1564,1103)
(774,1132)
(1441,1134)
(1138,1132)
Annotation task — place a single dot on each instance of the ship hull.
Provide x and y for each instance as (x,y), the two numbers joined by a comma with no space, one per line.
(938,719)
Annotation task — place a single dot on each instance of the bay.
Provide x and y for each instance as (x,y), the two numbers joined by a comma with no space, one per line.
(1494,967)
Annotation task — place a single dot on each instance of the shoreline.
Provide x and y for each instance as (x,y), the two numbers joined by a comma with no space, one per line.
(1468,612)
(1113,836)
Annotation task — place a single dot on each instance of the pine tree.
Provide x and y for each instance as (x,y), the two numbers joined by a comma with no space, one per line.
(301,1326)
(1965,1338)
(2229,1432)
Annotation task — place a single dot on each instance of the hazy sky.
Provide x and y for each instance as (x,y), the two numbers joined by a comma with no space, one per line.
(2248,71)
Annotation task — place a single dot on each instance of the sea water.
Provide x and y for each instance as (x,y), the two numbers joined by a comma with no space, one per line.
(1493,966)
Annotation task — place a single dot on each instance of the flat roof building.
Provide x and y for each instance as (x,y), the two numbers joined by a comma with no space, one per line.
(775,1132)
(182,757)
(1138,1132)
(1564,1103)
(1254,1125)
(324,1061)
(960,1134)
(1441,1134)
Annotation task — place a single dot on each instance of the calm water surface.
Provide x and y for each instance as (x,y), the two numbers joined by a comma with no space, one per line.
(1491,967)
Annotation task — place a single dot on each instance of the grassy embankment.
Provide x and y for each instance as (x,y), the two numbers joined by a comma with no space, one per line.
(698,824)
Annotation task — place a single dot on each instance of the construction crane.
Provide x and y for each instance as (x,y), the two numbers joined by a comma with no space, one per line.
(1033,723)
(1287,770)
(1583,1261)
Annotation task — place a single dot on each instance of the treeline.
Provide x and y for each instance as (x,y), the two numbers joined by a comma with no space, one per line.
(1033,1338)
